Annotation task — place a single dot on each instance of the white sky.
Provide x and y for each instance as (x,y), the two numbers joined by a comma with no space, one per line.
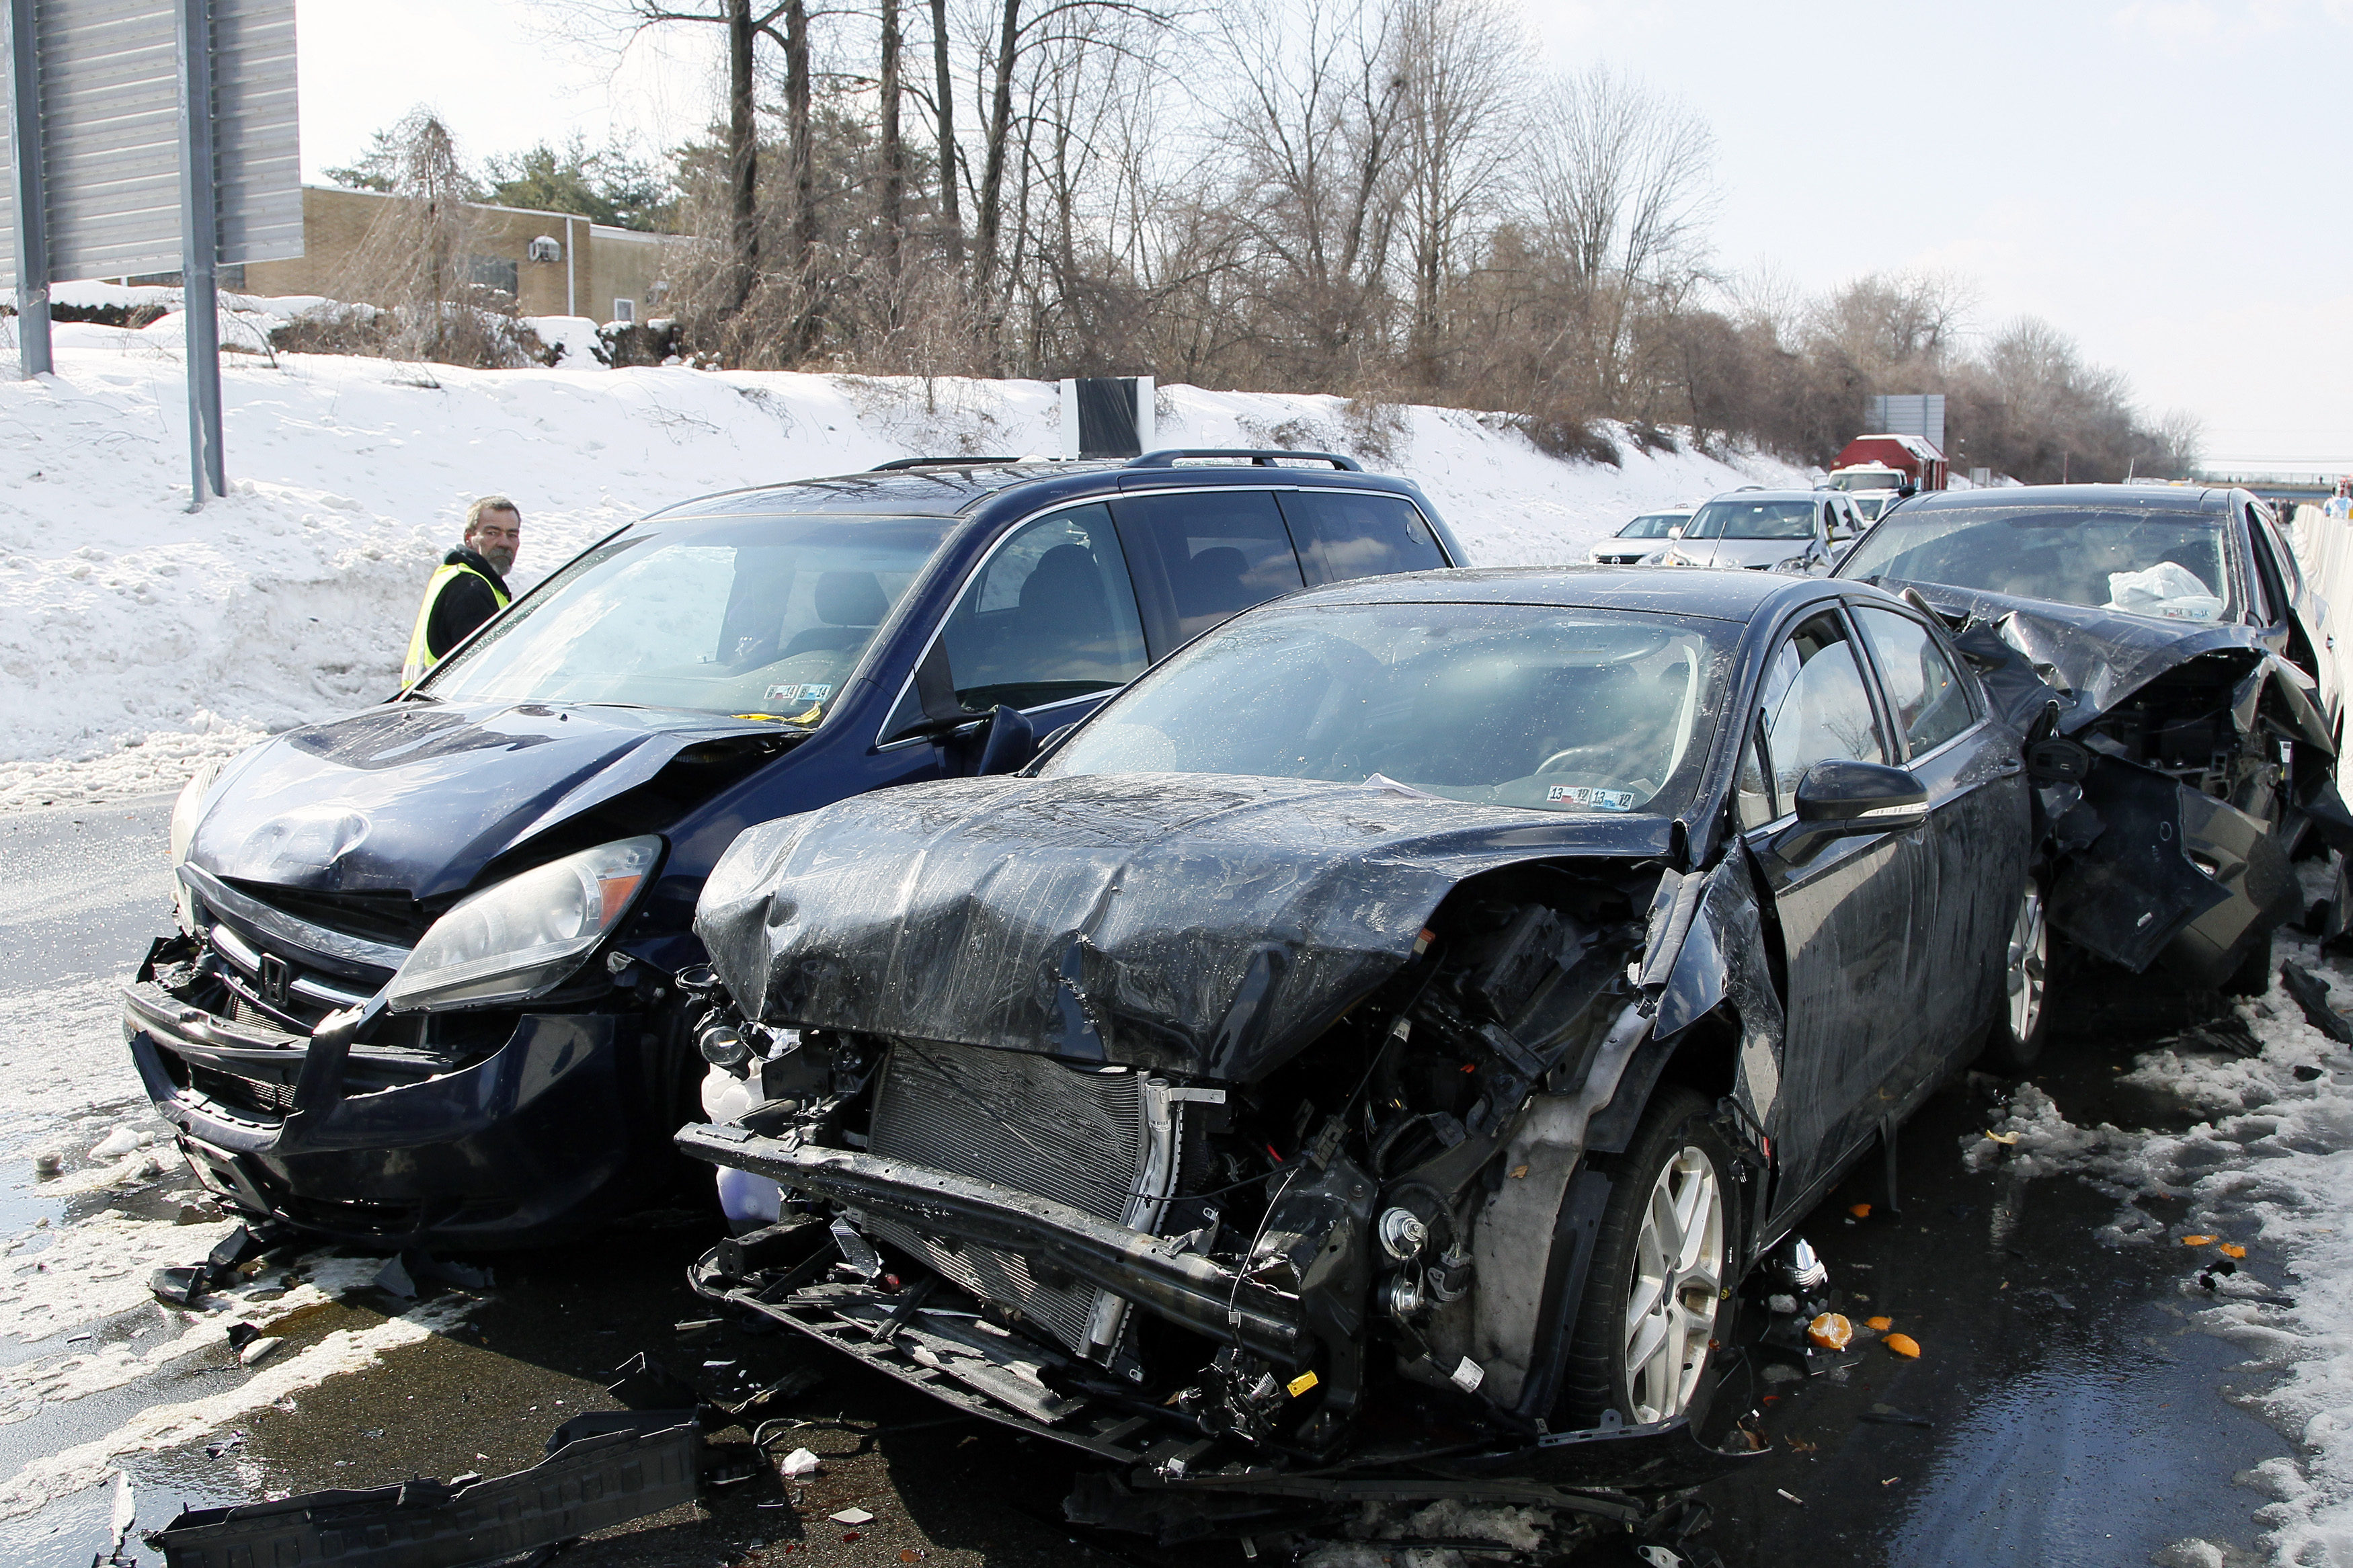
(2162,179)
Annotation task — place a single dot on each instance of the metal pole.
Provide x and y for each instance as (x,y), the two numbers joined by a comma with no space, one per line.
(30,189)
(200,251)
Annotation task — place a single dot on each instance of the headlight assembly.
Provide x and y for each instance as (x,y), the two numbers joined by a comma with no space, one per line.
(186,813)
(525,936)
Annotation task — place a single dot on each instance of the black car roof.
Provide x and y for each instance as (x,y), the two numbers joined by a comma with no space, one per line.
(952,489)
(1719,594)
(944,492)
(2149,497)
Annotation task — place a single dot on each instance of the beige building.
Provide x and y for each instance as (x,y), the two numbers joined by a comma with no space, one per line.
(553,264)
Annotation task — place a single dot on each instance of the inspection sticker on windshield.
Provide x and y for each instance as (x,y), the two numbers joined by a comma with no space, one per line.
(1588,795)
(797,694)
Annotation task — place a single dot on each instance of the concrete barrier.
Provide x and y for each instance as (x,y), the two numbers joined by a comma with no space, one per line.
(2324,548)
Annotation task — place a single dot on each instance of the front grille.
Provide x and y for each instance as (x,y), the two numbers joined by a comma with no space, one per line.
(253,1097)
(393,918)
(1081,1136)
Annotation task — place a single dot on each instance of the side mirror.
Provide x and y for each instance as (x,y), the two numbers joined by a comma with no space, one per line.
(1907,490)
(1842,799)
(1012,741)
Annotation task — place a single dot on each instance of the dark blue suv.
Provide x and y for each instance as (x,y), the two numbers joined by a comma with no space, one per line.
(424,988)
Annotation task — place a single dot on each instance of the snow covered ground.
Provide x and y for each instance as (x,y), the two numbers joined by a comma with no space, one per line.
(137,639)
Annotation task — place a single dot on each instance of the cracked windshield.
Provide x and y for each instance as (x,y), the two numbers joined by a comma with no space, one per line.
(1497,704)
(2169,567)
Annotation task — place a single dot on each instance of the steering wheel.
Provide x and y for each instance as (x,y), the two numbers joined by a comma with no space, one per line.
(1561,761)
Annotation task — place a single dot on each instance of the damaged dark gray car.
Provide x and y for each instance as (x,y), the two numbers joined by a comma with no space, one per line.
(1361,1062)
(2158,643)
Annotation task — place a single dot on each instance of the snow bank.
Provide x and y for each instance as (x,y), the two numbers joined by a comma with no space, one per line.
(2271,1170)
(137,639)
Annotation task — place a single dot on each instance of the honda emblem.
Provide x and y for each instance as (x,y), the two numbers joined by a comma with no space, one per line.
(276,974)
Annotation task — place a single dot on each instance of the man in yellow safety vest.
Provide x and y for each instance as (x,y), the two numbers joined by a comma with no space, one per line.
(468,588)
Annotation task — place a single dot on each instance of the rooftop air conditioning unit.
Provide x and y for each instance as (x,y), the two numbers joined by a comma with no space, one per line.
(546,248)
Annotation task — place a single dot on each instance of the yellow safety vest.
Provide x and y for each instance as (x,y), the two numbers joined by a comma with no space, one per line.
(421,658)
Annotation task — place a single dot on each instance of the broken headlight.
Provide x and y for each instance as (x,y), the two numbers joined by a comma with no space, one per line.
(521,938)
(186,813)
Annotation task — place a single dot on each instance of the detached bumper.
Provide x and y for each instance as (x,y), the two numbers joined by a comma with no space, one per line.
(387,1148)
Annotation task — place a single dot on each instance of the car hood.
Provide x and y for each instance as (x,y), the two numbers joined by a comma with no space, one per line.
(2095,659)
(1749,553)
(419,797)
(1202,924)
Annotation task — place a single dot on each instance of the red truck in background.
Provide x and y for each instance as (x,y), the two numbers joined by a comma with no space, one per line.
(1875,470)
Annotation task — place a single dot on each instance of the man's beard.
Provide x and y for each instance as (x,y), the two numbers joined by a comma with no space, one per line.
(501,560)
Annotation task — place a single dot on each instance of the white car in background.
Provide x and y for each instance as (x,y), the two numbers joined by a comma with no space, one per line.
(1641,543)
(1799,531)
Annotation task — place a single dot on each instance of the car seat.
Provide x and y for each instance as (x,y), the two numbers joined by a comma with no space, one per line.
(850,604)
(1213,584)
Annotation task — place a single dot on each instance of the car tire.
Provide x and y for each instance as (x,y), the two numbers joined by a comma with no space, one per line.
(2254,976)
(2023,1003)
(1657,1301)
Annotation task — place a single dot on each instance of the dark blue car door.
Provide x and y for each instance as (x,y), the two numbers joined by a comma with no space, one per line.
(1846,912)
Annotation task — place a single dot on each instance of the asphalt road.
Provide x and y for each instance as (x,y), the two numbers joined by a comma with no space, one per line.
(2065,1409)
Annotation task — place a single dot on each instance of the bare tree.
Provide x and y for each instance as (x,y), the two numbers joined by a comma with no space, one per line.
(1459,61)
(1621,195)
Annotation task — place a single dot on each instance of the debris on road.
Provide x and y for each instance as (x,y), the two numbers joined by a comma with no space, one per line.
(798,1463)
(585,1484)
(2007,1139)
(1786,1494)
(2310,992)
(1903,1346)
(851,1516)
(2196,1241)
(1879,1325)
(259,1351)
(1888,1415)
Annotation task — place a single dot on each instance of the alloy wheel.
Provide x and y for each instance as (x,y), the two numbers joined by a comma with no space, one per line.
(1678,1281)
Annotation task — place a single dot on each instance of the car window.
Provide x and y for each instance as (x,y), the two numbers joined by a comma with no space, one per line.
(759,616)
(1051,616)
(1816,706)
(2140,561)
(1752,520)
(2280,551)
(1204,555)
(2270,593)
(1546,708)
(1930,705)
(1343,534)
(1753,796)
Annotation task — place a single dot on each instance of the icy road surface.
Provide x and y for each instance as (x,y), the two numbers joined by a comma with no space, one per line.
(2083,1397)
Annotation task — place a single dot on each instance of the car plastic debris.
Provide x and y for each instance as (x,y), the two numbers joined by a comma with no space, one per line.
(1831,1331)
(798,1463)
(393,1279)
(2310,994)
(587,1484)
(851,1516)
(256,1351)
(1888,1415)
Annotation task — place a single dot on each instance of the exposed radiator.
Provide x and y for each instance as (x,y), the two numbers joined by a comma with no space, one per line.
(1101,1140)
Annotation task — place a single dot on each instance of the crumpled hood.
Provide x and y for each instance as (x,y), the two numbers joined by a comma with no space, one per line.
(417,798)
(1195,923)
(2099,657)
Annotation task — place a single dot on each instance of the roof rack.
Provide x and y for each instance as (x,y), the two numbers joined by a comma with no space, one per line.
(1168,457)
(898,465)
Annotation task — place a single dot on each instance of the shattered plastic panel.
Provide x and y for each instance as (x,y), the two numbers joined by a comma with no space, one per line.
(1196,923)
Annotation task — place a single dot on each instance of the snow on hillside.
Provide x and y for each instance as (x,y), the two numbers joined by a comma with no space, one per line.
(137,639)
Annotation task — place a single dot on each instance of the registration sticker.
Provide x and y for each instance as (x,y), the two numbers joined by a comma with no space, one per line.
(796,693)
(1588,795)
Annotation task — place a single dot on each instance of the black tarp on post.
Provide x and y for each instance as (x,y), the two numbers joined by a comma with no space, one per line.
(1107,416)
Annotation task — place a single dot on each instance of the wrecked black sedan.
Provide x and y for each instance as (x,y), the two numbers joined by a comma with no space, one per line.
(2158,643)
(1360,1062)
